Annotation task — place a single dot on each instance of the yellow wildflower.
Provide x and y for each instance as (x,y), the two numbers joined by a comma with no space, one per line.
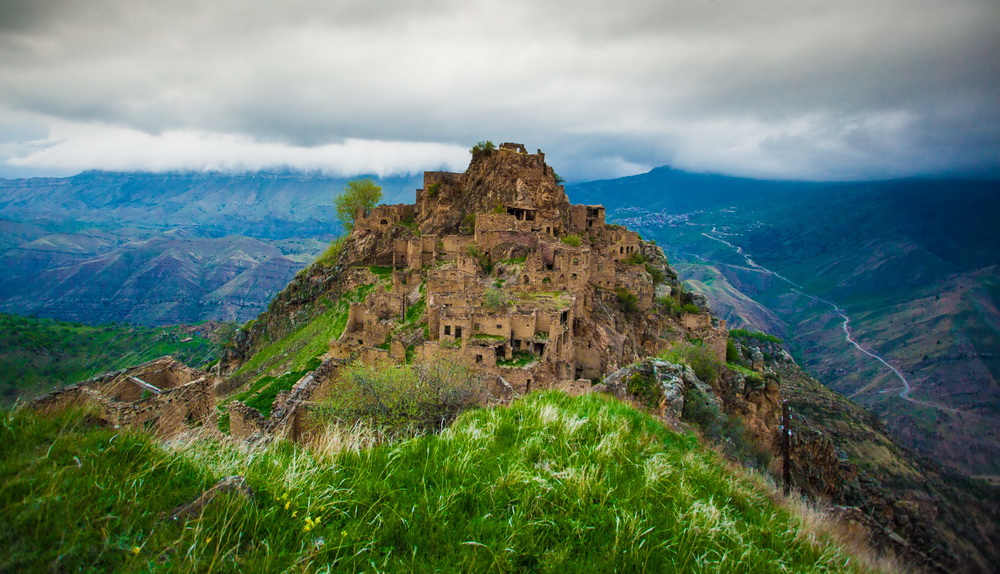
(136,550)
(287,504)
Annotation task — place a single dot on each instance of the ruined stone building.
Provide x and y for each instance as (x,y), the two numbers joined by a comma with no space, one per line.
(162,396)
(515,280)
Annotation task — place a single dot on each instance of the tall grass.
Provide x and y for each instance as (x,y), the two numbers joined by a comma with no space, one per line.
(551,483)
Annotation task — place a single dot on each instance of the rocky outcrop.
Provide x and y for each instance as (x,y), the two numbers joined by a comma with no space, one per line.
(656,384)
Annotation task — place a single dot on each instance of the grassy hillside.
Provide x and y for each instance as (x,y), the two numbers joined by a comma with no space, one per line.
(551,483)
(37,355)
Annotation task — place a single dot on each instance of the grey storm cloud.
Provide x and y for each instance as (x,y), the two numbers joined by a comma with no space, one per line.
(771,88)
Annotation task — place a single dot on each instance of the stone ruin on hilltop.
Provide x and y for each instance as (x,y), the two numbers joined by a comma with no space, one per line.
(509,267)
(493,268)
(513,280)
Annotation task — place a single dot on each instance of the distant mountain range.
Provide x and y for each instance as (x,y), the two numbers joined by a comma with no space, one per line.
(906,269)
(155,249)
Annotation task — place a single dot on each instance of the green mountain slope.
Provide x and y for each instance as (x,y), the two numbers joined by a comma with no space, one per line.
(163,248)
(38,355)
(551,483)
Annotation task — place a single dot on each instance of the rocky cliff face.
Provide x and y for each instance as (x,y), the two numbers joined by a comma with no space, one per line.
(911,507)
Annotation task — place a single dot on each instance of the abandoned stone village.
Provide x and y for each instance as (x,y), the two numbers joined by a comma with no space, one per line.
(493,268)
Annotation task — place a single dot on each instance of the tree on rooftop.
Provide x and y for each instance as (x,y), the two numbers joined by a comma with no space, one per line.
(358,194)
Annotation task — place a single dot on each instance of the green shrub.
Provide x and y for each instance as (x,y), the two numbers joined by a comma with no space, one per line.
(668,304)
(572,240)
(697,356)
(482,149)
(483,258)
(402,399)
(656,274)
(744,334)
(627,300)
(690,308)
(732,355)
(723,429)
(634,259)
(701,412)
(644,388)
(469,224)
(433,189)
(332,253)
(495,298)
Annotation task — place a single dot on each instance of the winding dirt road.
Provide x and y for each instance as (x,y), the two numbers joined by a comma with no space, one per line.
(846,326)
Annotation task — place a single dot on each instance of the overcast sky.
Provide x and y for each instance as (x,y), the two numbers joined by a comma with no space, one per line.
(815,89)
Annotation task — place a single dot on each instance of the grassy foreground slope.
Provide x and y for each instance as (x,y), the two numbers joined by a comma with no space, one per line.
(551,483)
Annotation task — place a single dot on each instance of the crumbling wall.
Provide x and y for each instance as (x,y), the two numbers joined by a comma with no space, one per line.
(244,421)
(126,400)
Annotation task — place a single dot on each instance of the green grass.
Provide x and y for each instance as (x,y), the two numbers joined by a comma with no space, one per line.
(297,353)
(513,261)
(37,355)
(416,311)
(519,359)
(572,240)
(696,356)
(487,337)
(382,272)
(747,373)
(550,484)
(262,393)
(744,334)
(293,351)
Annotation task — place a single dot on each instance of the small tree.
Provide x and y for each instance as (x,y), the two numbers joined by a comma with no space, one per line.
(358,194)
(483,148)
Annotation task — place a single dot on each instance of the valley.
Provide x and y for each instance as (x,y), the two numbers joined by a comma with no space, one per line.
(886,291)
(160,249)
